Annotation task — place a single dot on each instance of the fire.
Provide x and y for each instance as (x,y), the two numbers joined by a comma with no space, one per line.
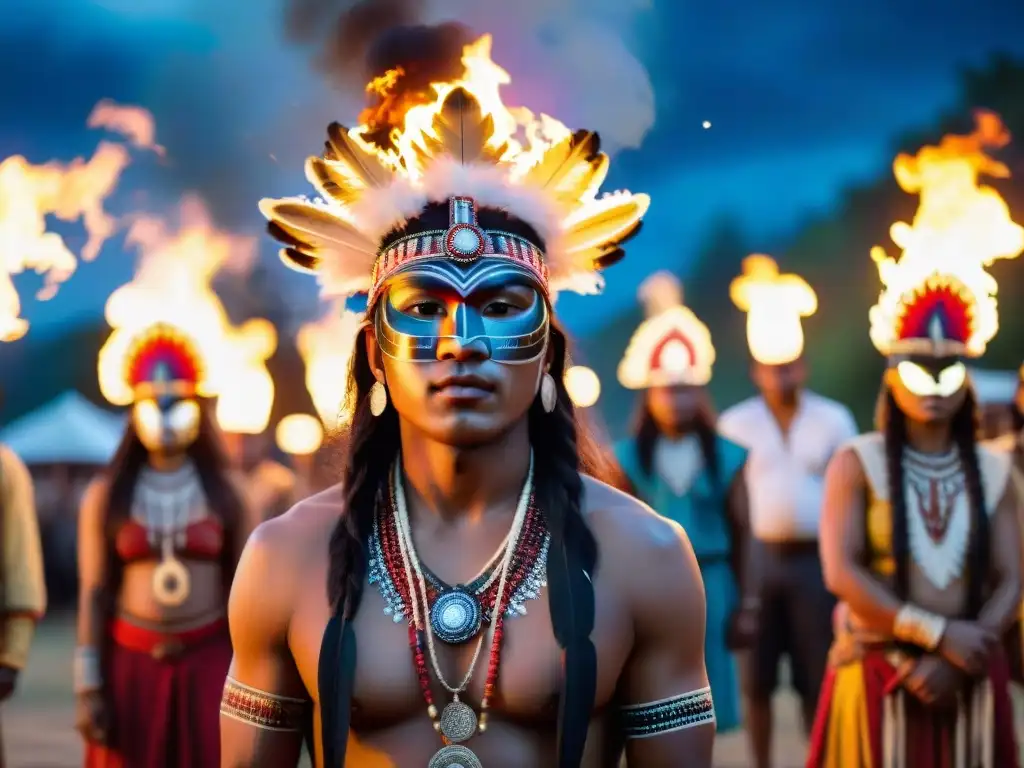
(960,228)
(481,78)
(173,284)
(68,191)
(775,304)
(326,347)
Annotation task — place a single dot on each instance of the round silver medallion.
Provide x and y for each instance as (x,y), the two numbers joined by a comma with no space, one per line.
(455,616)
(454,756)
(171,582)
(458,721)
(464,242)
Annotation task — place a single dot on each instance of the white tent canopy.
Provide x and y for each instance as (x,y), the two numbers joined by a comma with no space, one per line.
(67,430)
(992,387)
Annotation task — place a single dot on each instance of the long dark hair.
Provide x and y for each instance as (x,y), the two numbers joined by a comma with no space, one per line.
(646,433)
(892,422)
(1016,414)
(211,462)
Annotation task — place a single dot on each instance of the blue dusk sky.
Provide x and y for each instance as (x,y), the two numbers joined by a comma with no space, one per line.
(803,98)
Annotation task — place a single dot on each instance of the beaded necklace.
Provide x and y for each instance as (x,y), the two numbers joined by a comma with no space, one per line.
(408,588)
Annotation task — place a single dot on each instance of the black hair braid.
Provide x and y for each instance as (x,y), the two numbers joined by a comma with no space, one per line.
(964,430)
(894,424)
(572,559)
(371,450)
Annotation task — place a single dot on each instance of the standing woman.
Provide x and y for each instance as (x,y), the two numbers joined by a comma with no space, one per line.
(159,535)
(920,537)
(678,463)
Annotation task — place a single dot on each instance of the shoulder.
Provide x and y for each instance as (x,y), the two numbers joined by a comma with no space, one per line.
(95,494)
(300,533)
(740,418)
(829,411)
(859,461)
(996,468)
(629,533)
(278,557)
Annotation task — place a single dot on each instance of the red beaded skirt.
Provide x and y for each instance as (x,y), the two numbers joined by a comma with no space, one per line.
(164,694)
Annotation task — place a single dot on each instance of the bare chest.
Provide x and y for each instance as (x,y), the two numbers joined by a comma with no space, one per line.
(388,691)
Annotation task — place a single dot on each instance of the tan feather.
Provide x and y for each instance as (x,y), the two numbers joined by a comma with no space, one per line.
(315,226)
(581,183)
(335,180)
(298,261)
(363,165)
(564,158)
(462,131)
(605,221)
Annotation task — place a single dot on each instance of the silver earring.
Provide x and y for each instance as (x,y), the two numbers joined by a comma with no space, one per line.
(548,393)
(378,398)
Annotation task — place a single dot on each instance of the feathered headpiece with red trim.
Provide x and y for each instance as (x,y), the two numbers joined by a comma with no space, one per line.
(672,346)
(163,360)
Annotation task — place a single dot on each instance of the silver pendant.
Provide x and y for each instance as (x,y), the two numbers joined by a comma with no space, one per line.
(458,721)
(455,616)
(454,756)
(171,582)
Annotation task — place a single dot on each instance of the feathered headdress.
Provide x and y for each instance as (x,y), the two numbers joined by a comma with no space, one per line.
(459,149)
(671,346)
(775,305)
(938,299)
(163,360)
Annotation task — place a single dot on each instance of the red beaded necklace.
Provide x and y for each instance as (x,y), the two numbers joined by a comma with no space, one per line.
(530,548)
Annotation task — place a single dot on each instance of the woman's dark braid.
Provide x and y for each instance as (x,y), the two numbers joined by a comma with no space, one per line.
(964,430)
(895,430)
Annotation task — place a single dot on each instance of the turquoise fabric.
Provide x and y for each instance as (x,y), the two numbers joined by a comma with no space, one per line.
(701,513)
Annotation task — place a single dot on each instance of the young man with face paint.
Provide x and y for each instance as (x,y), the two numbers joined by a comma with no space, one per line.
(159,536)
(467,596)
(678,463)
(22,583)
(920,536)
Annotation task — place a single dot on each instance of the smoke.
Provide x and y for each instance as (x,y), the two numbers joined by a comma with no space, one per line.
(567,58)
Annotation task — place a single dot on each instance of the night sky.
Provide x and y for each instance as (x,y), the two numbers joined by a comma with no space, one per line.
(803,99)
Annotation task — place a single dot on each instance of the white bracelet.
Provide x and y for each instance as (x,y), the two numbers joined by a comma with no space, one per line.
(921,628)
(86,669)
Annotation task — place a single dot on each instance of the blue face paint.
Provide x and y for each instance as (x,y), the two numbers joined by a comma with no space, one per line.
(490,300)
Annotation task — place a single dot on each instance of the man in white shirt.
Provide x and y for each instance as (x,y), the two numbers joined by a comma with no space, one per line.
(791,434)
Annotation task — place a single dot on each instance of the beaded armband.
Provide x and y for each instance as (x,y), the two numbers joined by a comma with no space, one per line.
(665,715)
(264,710)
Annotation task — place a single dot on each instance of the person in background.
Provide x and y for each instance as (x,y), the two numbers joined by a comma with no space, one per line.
(22,585)
(160,532)
(791,434)
(920,534)
(678,463)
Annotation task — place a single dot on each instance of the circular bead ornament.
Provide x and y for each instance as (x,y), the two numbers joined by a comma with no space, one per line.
(455,616)
(458,721)
(171,583)
(454,756)
(464,242)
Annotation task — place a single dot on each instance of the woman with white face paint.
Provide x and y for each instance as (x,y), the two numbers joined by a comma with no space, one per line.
(159,535)
(920,539)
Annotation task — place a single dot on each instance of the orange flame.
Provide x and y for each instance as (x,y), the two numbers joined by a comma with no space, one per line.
(172,284)
(76,190)
(960,228)
(482,78)
(326,346)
